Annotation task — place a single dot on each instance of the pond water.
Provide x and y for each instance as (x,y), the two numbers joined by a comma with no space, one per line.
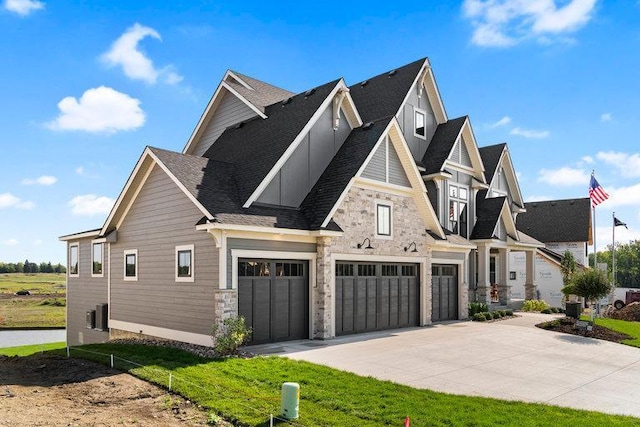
(15,338)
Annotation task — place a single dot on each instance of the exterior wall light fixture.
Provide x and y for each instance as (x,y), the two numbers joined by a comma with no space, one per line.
(361,245)
(414,250)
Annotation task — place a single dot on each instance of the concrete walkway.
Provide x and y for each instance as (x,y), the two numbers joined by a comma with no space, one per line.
(510,359)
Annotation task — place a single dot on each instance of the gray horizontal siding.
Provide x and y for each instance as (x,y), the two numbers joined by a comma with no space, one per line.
(162,218)
(230,111)
(83,294)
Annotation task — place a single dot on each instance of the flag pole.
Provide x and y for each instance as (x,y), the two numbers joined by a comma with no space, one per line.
(613,250)
(595,250)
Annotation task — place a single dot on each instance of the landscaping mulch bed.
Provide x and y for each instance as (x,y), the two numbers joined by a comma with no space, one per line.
(567,325)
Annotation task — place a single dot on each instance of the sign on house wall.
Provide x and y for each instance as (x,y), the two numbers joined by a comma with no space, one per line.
(578,249)
(548,278)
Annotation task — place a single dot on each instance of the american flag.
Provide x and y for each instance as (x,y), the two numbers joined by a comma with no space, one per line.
(596,192)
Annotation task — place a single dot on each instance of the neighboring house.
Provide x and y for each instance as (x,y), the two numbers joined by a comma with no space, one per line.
(562,225)
(338,210)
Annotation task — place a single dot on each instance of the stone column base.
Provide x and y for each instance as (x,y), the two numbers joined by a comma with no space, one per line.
(530,291)
(504,294)
(483,294)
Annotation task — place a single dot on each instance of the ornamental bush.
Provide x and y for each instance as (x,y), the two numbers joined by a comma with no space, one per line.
(477,307)
(479,317)
(534,305)
(230,336)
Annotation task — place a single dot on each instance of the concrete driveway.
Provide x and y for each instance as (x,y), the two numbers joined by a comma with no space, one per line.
(510,359)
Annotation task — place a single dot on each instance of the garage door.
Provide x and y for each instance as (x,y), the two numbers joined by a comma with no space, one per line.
(273,297)
(444,289)
(376,296)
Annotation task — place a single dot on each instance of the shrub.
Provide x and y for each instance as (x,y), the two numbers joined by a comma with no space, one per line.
(488,315)
(479,317)
(502,313)
(477,307)
(496,314)
(231,335)
(509,312)
(534,305)
(546,311)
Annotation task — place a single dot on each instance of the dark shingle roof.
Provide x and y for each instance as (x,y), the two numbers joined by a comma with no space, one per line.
(381,96)
(557,220)
(344,166)
(214,185)
(488,213)
(255,146)
(441,145)
(490,157)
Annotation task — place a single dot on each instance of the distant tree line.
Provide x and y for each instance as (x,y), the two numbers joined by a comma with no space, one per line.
(31,267)
(627,263)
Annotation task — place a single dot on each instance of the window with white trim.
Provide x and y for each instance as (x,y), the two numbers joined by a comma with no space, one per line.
(458,209)
(74,267)
(97,259)
(420,123)
(184,263)
(383,220)
(131,264)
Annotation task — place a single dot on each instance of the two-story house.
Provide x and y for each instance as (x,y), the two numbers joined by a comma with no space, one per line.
(338,210)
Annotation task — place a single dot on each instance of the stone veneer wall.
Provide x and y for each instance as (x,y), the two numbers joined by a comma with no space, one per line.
(357,217)
(226,304)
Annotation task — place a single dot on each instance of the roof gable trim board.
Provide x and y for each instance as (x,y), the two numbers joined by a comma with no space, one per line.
(425,78)
(296,142)
(237,78)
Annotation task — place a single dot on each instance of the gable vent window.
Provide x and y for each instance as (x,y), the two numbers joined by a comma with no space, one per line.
(420,124)
(184,263)
(458,212)
(383,220)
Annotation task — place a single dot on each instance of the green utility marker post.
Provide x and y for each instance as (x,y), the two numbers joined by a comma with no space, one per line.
(290,404)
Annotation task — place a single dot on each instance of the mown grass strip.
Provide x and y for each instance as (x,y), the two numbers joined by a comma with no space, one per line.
(28,350)
(630,328)
(246,391)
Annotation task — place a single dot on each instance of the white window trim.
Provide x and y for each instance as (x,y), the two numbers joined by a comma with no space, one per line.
(390,205)
(191,248)
(424,114)
(124,265)
(458,199)
(71,245)
(93,242)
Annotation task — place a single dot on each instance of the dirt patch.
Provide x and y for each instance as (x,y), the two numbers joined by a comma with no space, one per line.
(629,312)
(55,391)
(567,325)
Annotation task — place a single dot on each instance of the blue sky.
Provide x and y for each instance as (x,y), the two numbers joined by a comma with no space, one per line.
(85,86)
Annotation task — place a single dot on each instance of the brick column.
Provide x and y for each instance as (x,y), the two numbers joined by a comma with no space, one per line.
(322,298)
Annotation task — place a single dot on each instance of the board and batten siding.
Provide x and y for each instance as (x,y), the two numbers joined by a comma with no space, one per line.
(83,294)
(161,218)
(230,111)
(406,118)
(302,170)
(377,169)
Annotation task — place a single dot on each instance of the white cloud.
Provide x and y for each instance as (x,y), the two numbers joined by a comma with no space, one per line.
(80,170)
(90,204)
(43,180)
(503,23)
(564,177)
(23,7)
(623,196)
(529,133)
(37,242)
(136,65)
(11,242)
(502,122)
(8,200)
(587,159)
(623,235)
(606,117)
(100,109)
(627,164)
(537,198)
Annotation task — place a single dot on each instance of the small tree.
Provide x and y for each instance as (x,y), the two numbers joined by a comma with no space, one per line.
(590,283)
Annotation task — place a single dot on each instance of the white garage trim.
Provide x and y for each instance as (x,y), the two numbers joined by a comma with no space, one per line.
(236,254)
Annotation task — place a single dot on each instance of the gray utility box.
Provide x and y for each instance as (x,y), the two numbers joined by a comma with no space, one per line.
(91,319)
(102,317)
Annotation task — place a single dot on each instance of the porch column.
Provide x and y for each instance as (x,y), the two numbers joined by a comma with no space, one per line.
(529,282)
(504,290)
(321,291)
(483,293)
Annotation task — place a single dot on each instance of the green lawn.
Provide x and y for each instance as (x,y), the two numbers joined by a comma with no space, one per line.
(246,391)
(28,350)
(45,307)
(630,328)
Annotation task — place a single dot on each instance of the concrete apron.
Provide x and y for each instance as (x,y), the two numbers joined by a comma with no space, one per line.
(508,359)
